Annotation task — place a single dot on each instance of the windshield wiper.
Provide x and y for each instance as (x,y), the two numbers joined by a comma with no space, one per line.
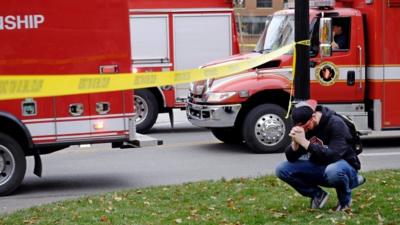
(263,50)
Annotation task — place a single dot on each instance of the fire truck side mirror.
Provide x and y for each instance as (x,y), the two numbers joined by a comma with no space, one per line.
(325,37)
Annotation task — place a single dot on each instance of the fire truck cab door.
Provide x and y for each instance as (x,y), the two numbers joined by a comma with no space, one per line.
(390,58)
(339,77)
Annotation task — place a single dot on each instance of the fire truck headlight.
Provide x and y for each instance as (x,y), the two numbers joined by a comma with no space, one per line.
(219,96)
(191,87)
(196,89)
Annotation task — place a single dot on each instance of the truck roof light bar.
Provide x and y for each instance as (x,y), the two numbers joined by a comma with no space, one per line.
(314,4)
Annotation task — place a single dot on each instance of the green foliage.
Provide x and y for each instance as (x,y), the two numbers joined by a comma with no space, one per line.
(263,200)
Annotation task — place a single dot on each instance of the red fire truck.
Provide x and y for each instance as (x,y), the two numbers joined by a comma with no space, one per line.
(169,35)
(359,79)
(62,37)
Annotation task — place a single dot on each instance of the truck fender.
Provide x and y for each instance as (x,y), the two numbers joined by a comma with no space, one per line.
(164,100)
(17,124)
(13,120)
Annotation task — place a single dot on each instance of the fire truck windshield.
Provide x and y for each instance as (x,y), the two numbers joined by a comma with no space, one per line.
(278,32)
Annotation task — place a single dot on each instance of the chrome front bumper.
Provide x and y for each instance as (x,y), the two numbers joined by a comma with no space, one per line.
(212,115)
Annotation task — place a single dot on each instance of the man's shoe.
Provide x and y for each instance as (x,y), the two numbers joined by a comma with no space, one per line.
(343,207)
(319,201)
(361,180)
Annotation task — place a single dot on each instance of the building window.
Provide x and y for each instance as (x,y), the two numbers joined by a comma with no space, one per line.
(252,25)
(264,3)
(239,3)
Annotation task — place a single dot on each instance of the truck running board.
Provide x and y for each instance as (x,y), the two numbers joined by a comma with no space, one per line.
(139,142)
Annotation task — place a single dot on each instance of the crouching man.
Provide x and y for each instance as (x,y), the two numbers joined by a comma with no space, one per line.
(320,155)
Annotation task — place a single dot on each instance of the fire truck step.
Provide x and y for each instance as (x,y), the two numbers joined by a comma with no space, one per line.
(141,141)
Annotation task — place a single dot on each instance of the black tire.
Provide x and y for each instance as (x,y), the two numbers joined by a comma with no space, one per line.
(228,135)
(269,118)
(147,109)
(12,164)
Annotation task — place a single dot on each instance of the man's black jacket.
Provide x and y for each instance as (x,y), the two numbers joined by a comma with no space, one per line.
(335,135)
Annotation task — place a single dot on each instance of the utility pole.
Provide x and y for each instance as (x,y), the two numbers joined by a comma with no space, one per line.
(302,76)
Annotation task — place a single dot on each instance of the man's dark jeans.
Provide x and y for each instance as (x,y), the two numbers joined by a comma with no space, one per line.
(306,177)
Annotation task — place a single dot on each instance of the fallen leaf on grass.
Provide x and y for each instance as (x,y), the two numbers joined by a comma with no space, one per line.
(193,211)
(32,220)
(224,221)
(348,211)
(364,206)
(230,203)
(319,216)
(104,218)
(371,197)
(380,219)
(279,215)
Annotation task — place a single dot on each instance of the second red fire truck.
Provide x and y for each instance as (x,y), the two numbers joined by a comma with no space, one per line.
(361,79)
(168,35)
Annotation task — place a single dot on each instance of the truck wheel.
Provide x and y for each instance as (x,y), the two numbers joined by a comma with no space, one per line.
(146,108)
(12,164)
(227,135)
(265,129)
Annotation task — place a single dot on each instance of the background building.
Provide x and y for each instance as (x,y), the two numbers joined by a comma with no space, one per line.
(250,17)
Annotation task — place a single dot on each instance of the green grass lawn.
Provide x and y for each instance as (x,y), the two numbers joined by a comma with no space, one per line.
(264,200)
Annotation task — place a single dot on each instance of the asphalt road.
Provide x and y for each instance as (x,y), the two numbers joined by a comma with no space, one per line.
(188,154)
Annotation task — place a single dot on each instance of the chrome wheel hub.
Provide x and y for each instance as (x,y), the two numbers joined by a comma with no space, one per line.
(7,164)
(270,129)
(141,109)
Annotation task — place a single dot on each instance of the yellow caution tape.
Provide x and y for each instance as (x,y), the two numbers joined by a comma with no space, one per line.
(33,86)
